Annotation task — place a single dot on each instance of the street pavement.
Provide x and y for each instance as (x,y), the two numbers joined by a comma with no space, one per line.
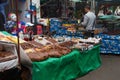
(109,70)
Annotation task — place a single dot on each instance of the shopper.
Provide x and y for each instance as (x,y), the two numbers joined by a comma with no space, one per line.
(10,25)
(117,11)
(89,22)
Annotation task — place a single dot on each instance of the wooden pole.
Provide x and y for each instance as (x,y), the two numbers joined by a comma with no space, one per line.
(18,46)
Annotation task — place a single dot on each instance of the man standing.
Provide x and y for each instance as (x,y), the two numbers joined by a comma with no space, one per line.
(89,22)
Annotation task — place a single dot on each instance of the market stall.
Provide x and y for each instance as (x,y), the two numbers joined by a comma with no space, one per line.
(109,19)
(52,57)
(45,54)
(110,38)
(9,60)
(62,51)
(71,66)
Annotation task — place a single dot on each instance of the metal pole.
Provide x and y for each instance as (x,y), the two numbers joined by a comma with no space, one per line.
(18,46)
(31,18)
(40,11)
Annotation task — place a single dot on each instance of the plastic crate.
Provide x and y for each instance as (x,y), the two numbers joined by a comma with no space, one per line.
(110,44)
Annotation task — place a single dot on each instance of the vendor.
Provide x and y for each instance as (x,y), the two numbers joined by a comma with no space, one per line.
(89,22)
(10,25)
(101,11)
(117,11)
(70,12)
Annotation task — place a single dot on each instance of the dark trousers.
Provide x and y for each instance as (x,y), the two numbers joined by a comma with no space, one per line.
(88,34)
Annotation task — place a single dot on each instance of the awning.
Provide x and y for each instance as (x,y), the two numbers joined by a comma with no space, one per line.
(76,0)
(108,0)
(44,1)
(114,2)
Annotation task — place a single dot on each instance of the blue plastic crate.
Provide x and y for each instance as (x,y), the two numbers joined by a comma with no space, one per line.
(110,44)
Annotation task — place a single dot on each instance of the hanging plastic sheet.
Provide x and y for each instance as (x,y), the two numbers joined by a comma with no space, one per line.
(9,63)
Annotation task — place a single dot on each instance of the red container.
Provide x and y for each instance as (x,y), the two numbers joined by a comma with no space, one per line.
(39,29)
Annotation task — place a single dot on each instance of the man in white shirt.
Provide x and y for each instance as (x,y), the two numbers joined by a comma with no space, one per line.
(89,22)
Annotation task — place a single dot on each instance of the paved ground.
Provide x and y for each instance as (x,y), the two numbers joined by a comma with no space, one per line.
(110,69)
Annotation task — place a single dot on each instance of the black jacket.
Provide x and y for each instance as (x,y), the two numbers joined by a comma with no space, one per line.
(2,22)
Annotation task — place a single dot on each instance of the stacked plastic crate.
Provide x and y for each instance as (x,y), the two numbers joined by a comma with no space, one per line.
(110,44)
(56,25)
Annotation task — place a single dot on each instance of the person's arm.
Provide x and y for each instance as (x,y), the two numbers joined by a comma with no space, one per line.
(85,21)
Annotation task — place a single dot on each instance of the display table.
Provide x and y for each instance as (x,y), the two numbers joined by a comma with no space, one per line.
(68,67)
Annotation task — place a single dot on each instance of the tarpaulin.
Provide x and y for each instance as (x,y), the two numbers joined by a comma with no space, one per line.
(109,17)
(67,67)
(6,33)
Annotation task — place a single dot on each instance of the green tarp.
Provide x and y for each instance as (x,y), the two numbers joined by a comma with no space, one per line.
(6,33)
(76,0)
(109,17)
(68,67)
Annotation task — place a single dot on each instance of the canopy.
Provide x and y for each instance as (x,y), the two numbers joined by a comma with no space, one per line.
(108,0)
(76,0)
(115,1)
(111,2)
(44,1)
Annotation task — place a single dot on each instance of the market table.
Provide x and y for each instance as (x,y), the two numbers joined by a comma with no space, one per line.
(67,67)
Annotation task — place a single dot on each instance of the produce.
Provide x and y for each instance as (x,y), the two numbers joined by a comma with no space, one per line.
(51,40)
(67,44)
(37,57)
(46,52)
(14,39)
(6,56)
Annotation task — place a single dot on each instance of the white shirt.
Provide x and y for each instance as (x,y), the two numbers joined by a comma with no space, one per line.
(89,21)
